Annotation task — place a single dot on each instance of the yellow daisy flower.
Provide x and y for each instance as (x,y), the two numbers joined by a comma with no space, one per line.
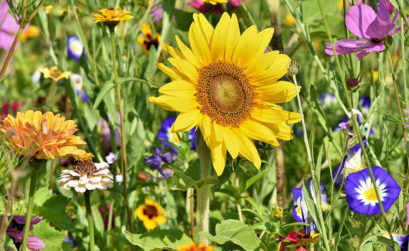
(289,20)
(149,40)
(54,73)
(111,17)
(151,213)
(42,136)
(194,247)
(214,2)
(32,31)
(228,87)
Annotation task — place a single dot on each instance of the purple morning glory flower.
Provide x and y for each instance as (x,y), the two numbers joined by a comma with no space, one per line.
(164,135)
(361,195)
(156,12)
(16,232)
(351,163)
(364,23)
(300,211)
(156,160)
(75,48)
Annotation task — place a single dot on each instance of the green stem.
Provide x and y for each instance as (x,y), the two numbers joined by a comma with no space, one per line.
(361,239)
(90,220)
(51,95)
(33,183)
(121,118)
(238,197)
(203,193)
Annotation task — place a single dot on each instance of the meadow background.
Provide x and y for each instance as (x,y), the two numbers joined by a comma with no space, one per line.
(250,209)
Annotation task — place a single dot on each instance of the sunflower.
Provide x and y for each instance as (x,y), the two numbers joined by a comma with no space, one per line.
(229,87)
(151,213)
(54,73)
(111,17)
(195,247)
(42,136)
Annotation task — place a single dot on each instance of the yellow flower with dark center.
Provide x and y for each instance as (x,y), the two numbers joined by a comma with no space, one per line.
(194,247)
(149,40)
(214,2)
(111,17)
(151,214)
(54,73)
(42,136)
(229,87)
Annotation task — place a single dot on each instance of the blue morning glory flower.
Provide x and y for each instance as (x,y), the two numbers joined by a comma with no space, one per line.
(351,163)
(327,98)
(361,195)
(75,48)
(164,133)
(365,103)
(300,210)
(402,241)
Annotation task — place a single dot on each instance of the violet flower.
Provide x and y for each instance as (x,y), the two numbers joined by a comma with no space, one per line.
(16,232)
(364,23)
(156,12)
(156,160)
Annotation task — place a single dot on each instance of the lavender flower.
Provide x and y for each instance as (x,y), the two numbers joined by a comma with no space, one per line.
(156,12)
(16,232)
(156,160)
(364,23)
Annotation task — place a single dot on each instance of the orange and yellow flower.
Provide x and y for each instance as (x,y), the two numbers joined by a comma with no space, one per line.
(54,73)
(194,247)
(111,17)
(227,85)
(42,136)
(151,214)
(149,39)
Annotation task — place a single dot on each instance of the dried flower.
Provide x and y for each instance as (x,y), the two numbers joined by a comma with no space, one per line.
(86,175)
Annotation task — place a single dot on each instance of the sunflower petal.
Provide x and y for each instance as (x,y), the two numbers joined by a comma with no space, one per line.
(186,121)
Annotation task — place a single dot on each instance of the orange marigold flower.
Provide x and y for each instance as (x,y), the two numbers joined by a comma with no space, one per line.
(42,136)
(194,247)
(111,17)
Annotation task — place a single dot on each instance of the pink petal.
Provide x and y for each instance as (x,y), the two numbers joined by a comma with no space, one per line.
(17,235)
(379,28)
(358,18)
(383,10)
(35,243)
(373,48)
(346,46)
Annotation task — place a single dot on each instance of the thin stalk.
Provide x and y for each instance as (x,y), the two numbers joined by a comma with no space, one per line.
(361,239)
(121,118)
(354,119)
(33,183)
(51,95)
(238,197)
(110,218)
(402,13)
(203,193)
(90,220)
(191,208)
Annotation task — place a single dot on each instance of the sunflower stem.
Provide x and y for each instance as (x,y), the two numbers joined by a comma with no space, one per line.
(203,193)
(121,118)
(90,221)
(33,183)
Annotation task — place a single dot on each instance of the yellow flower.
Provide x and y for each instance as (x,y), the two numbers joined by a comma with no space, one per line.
(111,17)
(194,247)
(214,2)
(151,213)
(149,40)
(341,5)
(42,136)
(54,73)
(228,87)
(289,20)
(32,31)
(48,9)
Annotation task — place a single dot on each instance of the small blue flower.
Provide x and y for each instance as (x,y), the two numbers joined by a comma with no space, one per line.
(402,241)
(156,160)
(164,133)
(300,210)
(75,48)
(361,195)
(327,98)
(351,163)
(365,103)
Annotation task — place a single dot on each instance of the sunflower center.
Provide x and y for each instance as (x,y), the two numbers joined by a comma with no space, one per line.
(370,194)
(224,93)
(150,211)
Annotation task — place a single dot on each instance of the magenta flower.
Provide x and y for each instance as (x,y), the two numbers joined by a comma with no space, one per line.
(364,23)
(202,7)
(16,232)
(8,27)
(156,12)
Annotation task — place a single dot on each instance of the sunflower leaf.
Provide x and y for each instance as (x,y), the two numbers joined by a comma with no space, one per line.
(159,239)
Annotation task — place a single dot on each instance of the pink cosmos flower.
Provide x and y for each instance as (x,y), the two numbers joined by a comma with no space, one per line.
(16,232)
(364,23)
(8,27)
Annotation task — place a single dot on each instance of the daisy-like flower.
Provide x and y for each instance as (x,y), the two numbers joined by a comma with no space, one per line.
(361,195)
(195,247)
(111,17)
(351,163)
(86,175)
(228,87)
(151,214)
(300,211)
(42,136)
(75,48)
(149,39)
(15,231)
(165,135)
(54,73)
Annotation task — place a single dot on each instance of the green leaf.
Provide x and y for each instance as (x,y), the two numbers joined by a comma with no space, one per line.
(41,196)
(105,89)
(159,239)
(92,116)
(53,210)
(236,232)
(255,178)
(52,238)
